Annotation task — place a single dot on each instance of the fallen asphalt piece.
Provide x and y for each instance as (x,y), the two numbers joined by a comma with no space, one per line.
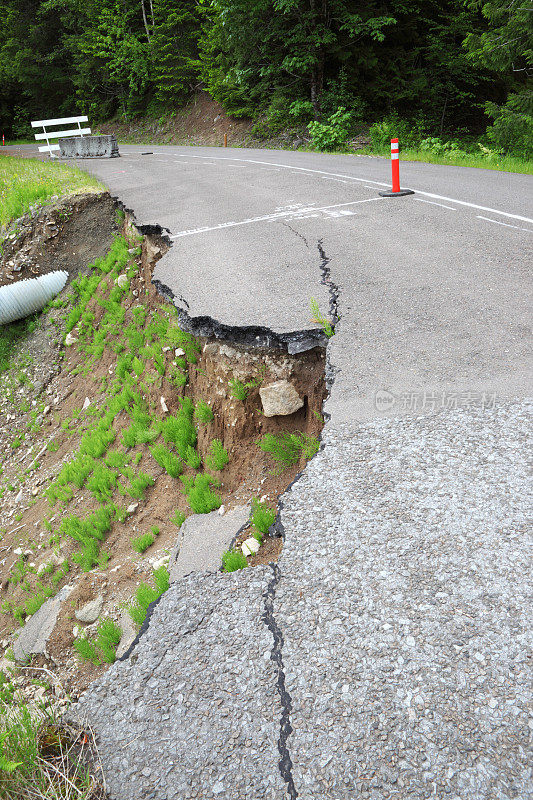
(203,538)
(386,657)
(35,634)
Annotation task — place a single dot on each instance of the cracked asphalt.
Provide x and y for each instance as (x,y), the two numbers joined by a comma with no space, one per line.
(388,655)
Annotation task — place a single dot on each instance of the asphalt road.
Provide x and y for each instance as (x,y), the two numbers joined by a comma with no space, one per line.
(432,289)
(386,656)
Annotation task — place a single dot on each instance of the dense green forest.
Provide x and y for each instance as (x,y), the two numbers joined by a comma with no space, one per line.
(446,67)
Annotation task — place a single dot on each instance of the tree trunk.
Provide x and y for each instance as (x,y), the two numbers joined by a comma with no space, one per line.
(145,22)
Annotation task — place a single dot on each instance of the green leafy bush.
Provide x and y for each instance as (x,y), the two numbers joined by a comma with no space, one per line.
(512,129)
(331,135)
(238,389)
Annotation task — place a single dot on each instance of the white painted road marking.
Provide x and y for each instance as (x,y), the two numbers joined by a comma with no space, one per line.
(505,224)
(269,217)
(368,180)
(432,203)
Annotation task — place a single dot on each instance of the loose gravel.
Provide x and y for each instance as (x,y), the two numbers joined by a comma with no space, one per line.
(386,657)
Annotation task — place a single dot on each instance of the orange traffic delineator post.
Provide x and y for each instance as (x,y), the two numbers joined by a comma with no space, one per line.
(225,140)
(395,164)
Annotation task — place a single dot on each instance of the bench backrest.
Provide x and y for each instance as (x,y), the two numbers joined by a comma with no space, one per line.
(48,134)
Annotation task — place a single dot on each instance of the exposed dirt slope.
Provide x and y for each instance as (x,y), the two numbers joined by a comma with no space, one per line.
(79,422)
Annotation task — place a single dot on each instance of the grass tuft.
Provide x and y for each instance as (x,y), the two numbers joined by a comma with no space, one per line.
(232,560)
(287,448)
(218,457)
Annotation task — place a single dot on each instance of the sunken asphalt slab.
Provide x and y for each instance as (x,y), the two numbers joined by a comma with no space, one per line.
(385,657)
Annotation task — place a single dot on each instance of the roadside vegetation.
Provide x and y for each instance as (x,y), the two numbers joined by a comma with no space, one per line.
(42,758)
(28,182)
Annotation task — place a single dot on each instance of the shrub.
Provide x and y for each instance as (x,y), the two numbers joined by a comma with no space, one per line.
(139,484)
(94,443)
(238,389)
(172,465)
(179,429)
(193,459)
(512,129)
(331,135)
(217,457)
(102,482)
(232,560)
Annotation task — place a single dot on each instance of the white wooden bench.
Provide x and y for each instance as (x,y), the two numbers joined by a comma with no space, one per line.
(51,123)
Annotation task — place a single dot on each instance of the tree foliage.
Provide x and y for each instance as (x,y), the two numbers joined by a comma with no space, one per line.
(439,64)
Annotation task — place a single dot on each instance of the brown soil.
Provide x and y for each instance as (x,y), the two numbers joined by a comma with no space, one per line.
(203,121)
(239,424)
(66,235)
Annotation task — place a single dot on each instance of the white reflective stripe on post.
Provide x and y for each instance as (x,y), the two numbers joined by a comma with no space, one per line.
(394,145)
(395,156)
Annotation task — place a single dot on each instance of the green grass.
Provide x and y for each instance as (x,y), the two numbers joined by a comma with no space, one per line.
(27,181)
(146,594)
(146,540)
(10,335)
(103,647)
(218,457)
(232,560)
(203,412)
(287,448)
(39,758)
(178,518)
(201,497)
(501,163)
(170,462)
(262,517)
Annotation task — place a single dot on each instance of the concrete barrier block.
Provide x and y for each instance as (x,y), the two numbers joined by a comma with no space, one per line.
(89,147)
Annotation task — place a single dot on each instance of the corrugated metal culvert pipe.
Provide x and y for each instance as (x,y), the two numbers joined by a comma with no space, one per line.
(19,300)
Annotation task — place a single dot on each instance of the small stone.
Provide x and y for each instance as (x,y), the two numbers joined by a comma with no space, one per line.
(122,281)
(86,404)
(91,610)
(76,631)
(131,509)
(280,399)
(222,510)
(18,498)
(250,546)
(163,405)
(17,551)
(46,409)
(70,339)
(179,352)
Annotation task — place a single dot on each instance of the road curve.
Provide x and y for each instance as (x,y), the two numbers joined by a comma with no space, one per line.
(386,656)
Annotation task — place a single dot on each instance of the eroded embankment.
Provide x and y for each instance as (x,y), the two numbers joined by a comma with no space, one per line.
(117,425)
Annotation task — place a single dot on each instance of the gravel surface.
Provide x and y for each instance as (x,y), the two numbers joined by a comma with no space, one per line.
(193,713)
(387,656)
